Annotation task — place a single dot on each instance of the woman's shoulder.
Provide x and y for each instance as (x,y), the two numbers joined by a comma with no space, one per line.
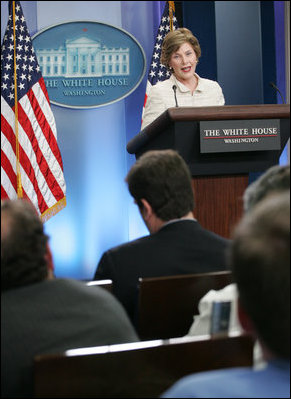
(208,82)
(163,85)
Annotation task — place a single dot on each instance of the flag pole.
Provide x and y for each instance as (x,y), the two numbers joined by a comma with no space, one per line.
(171,11)
(18,176)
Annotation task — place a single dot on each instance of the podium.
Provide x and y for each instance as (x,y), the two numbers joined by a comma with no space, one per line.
(218,178)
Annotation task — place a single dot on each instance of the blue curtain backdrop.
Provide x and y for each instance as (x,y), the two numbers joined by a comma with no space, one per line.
(100,213)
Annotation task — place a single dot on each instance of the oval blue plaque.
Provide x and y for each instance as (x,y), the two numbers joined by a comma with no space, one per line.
(86,64)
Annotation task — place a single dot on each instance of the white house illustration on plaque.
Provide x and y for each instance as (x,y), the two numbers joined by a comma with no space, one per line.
(83,57)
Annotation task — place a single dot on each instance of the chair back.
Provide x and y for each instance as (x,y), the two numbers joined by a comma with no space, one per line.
(106,284)
(166,305)
(135,370)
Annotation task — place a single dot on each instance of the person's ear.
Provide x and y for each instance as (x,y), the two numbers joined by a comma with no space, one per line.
(49,261)
(147,210)
(244,318)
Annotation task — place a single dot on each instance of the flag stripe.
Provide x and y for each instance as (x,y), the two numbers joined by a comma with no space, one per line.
(32,116)
(42,85)
(10,180)
(8,191)
(50,127)
(8,171)
(4,195)
(27,172)
(145,99)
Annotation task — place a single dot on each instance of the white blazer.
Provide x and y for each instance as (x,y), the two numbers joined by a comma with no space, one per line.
(161,97)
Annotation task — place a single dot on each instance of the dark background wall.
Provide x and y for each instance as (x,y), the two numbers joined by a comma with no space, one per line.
(238,41)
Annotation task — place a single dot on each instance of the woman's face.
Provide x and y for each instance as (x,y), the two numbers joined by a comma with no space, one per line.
(183,61)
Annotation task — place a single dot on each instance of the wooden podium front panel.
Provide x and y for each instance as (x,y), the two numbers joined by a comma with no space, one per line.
(218,202)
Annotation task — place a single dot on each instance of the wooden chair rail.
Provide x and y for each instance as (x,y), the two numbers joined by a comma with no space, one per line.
(144,369)
(106,284)
(167,304)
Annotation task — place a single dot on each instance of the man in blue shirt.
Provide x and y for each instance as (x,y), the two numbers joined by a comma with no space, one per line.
(260,261)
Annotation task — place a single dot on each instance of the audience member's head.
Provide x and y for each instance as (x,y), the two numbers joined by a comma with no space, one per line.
(260,261)
(25,256)
(275,179)
(162,180)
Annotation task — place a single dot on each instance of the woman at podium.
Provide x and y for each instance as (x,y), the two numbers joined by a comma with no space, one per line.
(185,88)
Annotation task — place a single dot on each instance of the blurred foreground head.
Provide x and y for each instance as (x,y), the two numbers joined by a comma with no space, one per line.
(260,261)
(276,179)
(24,258)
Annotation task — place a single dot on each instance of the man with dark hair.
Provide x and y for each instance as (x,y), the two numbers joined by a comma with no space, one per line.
(162,179)
(160,183)
(260,261)
(42,314)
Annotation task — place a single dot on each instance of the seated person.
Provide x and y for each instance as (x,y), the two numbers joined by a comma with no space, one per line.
(180,54)
(160,183)
(260,262)
(42,314)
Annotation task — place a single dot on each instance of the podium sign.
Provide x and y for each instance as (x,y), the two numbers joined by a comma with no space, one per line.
(239,135)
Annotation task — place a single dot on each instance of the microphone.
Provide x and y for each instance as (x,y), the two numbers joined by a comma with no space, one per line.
(175,88)
(272,84)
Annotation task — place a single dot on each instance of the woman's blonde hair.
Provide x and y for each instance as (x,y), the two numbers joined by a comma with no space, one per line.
(174,39)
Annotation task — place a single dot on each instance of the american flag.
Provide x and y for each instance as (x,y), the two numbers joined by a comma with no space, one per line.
(158,72)
(31,163)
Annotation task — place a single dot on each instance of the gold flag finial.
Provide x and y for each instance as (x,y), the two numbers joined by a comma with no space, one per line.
(171,11)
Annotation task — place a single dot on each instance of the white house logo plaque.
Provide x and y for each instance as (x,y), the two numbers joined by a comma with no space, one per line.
(87,64)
